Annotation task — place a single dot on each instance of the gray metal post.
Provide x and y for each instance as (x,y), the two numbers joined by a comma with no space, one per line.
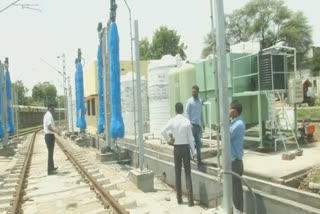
(65,91)
(4,106)
(59,114)
(16,112)
(106,82)
(140,134)
(216,82)
(133,91)
(223,94)
(71,109)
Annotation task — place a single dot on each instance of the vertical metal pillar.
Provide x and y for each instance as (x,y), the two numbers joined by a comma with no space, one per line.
(4,105)
(71,109)
(140,134)
(216,82)
(133,89)
(224,104)
(106,82)
(16,112)
(295,105)
(66,117)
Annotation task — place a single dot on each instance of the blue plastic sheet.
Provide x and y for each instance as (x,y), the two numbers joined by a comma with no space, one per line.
(1,123)
(100,92)
(80,105)
(116,126)
(9,104)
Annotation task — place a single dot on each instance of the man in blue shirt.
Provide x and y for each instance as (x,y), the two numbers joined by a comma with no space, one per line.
(237,131)
(194,113)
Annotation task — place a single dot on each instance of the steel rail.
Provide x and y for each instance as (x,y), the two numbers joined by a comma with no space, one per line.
(105,196)
(16,202)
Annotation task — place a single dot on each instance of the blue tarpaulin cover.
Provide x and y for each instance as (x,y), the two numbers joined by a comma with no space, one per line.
(80,106)
(9,103)
(116,126)
(100,92)
(1,123)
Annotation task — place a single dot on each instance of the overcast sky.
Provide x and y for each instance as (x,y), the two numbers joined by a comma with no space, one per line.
(65,25)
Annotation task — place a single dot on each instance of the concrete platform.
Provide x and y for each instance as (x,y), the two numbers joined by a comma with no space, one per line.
(271,166)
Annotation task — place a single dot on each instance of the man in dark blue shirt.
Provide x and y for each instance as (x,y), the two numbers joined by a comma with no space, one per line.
(237,131)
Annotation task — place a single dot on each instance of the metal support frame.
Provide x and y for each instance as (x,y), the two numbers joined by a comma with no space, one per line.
(259,93)
(103,36)
(4,104)
(215,72)
(139,103)
(132,67)
(66,117)
(224,104)
(71,109)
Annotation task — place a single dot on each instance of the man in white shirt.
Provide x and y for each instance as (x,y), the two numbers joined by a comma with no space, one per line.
(49,131)
(180,130)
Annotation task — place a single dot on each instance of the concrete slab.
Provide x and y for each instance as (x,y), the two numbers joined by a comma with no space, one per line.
(143,180)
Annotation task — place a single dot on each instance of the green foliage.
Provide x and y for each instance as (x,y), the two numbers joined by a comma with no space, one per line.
(45,93)
(270,22)
(145,53)
(209,43)
(164,41)
(60,101)
(308,113)
(21,90)
(315,64)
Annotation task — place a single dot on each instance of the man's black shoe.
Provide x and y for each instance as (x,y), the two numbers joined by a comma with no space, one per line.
(180,201)
(52,173)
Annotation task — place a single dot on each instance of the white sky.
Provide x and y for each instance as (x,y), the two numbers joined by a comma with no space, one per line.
(63,26)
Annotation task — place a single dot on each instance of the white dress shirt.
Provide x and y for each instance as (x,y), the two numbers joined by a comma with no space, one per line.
(180,127)
(48,120)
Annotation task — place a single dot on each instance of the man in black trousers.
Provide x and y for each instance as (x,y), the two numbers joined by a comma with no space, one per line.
(180,130)
(49,131)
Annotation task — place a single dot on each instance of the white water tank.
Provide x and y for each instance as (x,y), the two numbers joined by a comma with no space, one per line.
(158,92)
(127,101)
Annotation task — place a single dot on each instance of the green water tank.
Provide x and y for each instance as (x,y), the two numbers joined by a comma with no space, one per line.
(181,80)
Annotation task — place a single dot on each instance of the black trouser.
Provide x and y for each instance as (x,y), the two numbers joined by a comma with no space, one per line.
(182,154)
(49,138)
(237,167)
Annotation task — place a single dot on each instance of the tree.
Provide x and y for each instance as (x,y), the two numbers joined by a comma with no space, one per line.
(21,90)
(145,49)
(45,93)
(60,101)
(164,41)
(315,64)
(269,22)
(209,43)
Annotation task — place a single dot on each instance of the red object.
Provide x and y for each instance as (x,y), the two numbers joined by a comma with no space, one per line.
(310,129)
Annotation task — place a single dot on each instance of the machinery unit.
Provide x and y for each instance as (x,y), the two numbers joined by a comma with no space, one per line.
(258,79)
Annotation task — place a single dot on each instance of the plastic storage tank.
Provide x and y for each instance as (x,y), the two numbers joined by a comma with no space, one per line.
(204,78)
(127,102)
(158,92)
(181,80)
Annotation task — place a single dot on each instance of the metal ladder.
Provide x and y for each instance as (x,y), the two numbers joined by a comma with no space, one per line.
(281,137)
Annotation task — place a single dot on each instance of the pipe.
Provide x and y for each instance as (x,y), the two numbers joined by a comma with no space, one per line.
(224,104)
(216,92)
(245,183)
(139,103)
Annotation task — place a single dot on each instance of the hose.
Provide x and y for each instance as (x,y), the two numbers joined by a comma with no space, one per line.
(245,183)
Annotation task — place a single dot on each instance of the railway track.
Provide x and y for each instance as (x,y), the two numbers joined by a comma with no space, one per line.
(78,187)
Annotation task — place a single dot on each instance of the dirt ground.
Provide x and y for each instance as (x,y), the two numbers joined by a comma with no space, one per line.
(314,174)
